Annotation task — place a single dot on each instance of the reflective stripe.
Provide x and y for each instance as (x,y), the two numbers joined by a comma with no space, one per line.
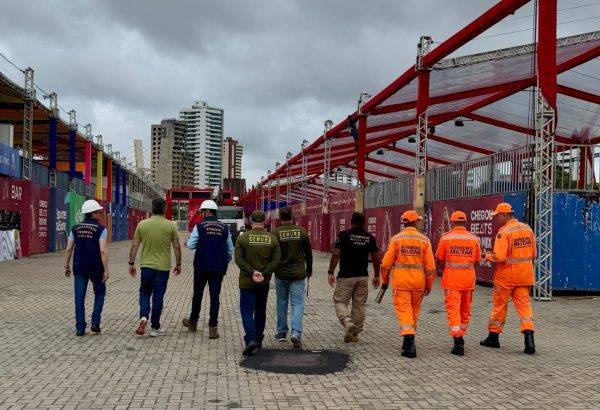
(498,323)
(459,236)
(407,266)
(511,261)
(455,328)
(411,236)
(407,327)
(526,319)
(457,265)
(464,326)
(518,227)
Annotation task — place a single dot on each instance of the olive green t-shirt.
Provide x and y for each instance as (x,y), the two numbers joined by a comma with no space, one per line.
(156,234)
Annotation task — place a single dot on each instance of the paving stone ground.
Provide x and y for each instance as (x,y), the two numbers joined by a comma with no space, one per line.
(43,365)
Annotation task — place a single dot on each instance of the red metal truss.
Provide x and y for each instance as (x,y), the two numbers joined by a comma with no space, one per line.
(581,95)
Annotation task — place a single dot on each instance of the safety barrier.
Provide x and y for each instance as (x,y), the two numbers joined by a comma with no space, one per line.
(577,168)
(395,192)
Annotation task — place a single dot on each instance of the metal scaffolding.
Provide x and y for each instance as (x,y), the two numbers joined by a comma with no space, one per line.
(328,124)
(29,101)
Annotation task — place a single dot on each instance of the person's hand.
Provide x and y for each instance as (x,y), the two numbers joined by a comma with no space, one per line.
(257,277)
(105,277)
(427,291)
(177,270)
(67,271)
(376,282)
(331,279)
(132,271)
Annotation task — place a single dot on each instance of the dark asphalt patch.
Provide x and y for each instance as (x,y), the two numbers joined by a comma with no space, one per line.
(297,361)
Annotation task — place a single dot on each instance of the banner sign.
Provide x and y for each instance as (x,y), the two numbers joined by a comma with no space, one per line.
(10,161)
(39,205)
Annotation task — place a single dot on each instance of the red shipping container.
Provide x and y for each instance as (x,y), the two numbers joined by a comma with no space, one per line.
(15,197)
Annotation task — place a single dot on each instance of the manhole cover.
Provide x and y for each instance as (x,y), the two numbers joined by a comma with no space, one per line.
(297,361)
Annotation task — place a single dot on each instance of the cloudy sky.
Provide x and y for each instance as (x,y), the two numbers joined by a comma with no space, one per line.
(279,68)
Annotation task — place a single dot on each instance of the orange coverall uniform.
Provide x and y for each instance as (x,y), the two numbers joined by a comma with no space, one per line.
(514,252)
(409,261)
(460,250)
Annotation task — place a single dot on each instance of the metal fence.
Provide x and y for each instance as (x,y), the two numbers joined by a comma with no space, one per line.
(502,172)
(577,168)
(395,192)
(40,174)
(62,180)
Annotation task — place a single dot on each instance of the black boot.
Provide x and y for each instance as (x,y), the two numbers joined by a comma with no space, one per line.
(459,346)
(491,341)
(529,344)
(410,350)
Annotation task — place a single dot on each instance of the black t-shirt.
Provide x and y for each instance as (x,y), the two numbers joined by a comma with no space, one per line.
(355,245)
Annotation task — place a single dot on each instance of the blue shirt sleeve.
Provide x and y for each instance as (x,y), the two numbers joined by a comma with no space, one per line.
(71,237)
(193,239)
(103,235)
(229,247)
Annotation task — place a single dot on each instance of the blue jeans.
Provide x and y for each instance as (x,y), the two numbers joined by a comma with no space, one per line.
(81,282)
(214,280)
(290,292)
(153,284)
(253,307)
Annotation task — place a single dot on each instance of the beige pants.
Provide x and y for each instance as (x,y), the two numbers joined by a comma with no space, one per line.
(355,289)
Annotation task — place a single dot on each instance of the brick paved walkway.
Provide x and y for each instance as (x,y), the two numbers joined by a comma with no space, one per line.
(42,363)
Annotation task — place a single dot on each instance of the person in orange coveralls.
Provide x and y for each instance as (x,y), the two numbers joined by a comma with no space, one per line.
(458,251)
(409,261)
(514,252)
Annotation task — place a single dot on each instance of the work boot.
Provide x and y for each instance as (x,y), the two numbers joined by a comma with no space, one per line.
(354,339)
(213,332)
(350,329)
(529,344)
(192,327)
(411,350)
(459,346)
(96,329)
(491,341)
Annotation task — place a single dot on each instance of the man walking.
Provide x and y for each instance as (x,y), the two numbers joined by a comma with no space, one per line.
(409,261)
(458,251)
(291,274)
(87,241)
(257,254)
(514,252)
(212,241)
(352,250)
(156,235)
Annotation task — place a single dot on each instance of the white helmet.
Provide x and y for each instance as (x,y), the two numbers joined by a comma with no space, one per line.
(90,206)
(209,204)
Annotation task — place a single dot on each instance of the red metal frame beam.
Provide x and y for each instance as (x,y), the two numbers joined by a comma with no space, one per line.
(581,95)
(377,173)
(361,151)
(387,164)
(452,143)
(412,154)
(495,14)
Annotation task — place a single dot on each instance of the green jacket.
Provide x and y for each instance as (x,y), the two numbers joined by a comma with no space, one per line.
(257,250)
(296,252)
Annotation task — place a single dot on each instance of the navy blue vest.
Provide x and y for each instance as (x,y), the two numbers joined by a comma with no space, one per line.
(87,260)
(211,249)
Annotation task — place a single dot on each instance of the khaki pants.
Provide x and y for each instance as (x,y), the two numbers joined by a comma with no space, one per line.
(355,289)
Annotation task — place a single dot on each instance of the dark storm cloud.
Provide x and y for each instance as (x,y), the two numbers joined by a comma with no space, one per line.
(278,68)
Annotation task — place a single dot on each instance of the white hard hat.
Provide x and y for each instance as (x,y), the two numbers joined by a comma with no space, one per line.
(90,206)
(209,204)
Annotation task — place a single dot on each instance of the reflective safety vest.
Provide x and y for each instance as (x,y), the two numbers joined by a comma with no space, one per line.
(409,261)
(514,252)
(460,250)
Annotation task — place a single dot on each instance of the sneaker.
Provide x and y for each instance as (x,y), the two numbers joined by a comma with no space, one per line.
(350,329)
(250,349)
(281,336)
(96,330)
(213,332)
(296,342)
(80,333)
(157,332)
(192,327)
(141,329)
(354,339)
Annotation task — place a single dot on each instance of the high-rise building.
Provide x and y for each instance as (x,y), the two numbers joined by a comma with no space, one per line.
(232,159)
(172,164)
(204,136)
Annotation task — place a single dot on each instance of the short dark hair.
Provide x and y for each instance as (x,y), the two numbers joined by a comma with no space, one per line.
(358,219)
(89,215)
(158,206)
(285,214)
(211,211)
(410,224)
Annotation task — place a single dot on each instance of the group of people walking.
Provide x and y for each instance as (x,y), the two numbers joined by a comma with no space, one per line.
(408,267)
